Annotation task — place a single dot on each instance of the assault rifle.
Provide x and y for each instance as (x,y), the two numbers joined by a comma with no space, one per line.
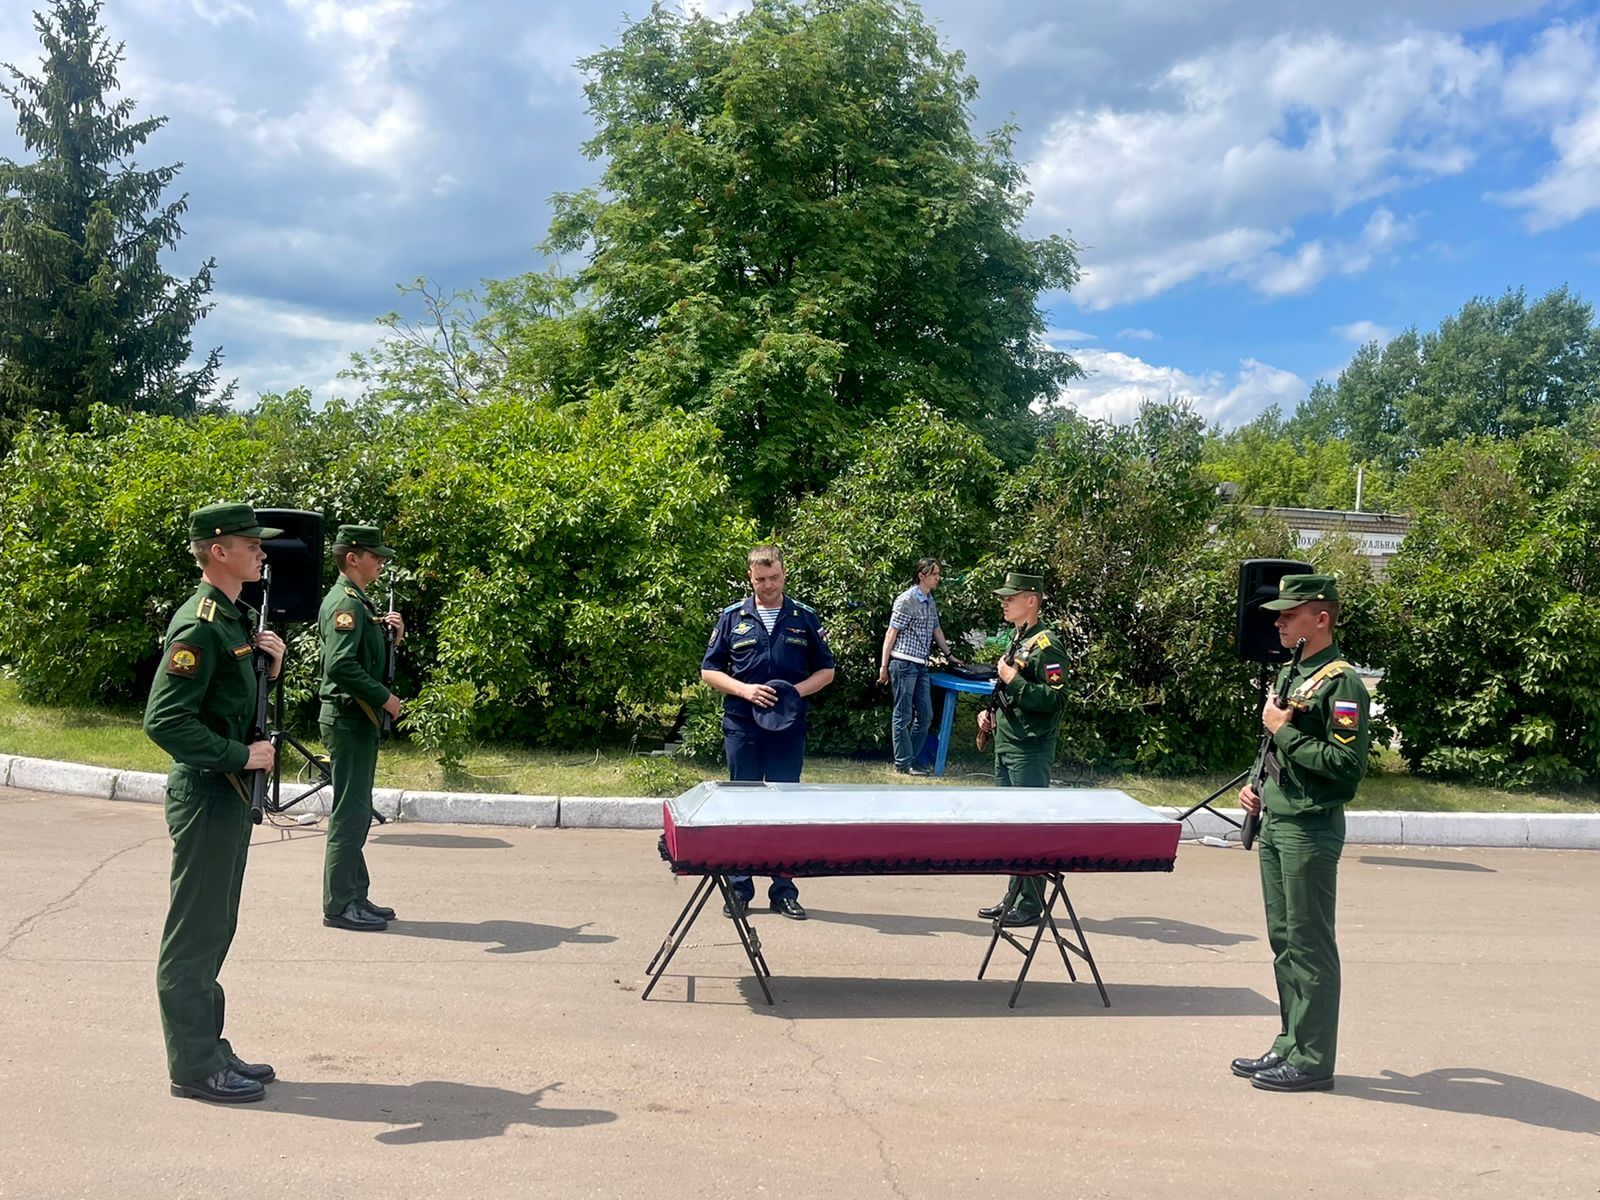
(260,729)
(996,700)
(1258,773)
(391,664)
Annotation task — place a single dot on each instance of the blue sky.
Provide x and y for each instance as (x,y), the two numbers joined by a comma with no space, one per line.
(1257,187)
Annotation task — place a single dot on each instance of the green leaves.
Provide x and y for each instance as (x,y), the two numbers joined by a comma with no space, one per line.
(797,231)
(87,314)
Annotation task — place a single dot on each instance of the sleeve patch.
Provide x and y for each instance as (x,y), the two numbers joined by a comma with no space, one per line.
(1054,675)
(1344,739)
(344,621)
(183,659)
(1346,714)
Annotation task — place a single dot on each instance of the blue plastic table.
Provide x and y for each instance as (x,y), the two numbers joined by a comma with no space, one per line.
(950,685)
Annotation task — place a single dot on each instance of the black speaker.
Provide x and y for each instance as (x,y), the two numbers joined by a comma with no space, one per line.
(1255,636)
(296,557)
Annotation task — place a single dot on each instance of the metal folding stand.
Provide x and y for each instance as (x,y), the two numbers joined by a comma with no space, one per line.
(280,737)
(1058,891)
(676,936)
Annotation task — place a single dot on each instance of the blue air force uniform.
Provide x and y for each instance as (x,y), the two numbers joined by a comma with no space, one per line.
(741,647)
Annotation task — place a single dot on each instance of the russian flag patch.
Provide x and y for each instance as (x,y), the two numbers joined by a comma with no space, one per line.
(1346,714)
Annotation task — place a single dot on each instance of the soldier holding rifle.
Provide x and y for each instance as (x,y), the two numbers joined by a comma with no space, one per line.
(199,711)
(1024,720)
(1319,755)
(355,700)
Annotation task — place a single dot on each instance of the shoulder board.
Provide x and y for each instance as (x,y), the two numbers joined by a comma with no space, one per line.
(1329,670)
(206,610)
(1040,640)
(802,606)
(352,593)
(734,607)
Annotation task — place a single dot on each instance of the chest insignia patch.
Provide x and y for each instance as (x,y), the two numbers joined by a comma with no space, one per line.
(742,627)
(795,641)
(744,643)
(1346,714)
(343,621)
(242,650)
(183,659)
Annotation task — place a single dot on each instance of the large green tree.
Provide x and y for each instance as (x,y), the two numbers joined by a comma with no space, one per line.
(798,231)
(1497,369)
(87,313)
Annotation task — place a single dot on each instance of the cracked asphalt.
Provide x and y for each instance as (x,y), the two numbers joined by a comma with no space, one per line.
(493,1042)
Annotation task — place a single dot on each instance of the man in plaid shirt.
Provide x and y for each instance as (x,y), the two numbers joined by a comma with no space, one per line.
(913,630)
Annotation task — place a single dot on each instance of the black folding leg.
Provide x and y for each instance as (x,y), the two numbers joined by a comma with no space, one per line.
(1058,891)
(703,891)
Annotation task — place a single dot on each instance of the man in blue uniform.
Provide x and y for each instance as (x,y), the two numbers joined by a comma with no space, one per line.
(767,654)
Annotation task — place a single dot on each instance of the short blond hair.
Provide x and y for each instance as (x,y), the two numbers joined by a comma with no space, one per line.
(201,549)
(765,556)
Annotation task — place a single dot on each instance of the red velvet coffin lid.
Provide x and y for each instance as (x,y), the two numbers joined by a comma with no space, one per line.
(818,829)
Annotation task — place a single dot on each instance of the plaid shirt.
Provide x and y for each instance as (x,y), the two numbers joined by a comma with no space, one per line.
(916,616)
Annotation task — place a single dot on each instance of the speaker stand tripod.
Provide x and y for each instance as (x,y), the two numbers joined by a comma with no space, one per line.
(319,763)
(1232,784)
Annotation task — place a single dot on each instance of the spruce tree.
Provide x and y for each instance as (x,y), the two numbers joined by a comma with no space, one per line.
(87,314)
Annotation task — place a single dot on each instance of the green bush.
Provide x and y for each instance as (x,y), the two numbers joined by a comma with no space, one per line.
(569,563)
(1490,616)
(914,488)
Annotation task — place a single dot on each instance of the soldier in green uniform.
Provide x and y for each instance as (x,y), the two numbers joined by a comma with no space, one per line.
(353,698)
(200,708)
(1319,754)
(1024,721)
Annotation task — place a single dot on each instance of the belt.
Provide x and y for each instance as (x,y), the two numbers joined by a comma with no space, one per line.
(921,662)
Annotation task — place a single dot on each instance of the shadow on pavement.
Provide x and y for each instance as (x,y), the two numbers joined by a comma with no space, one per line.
(1428,864)
(1481,1093)
(1162,929)
(831,997)
(434,1110)
(899,925)
(509,937)
(441,841)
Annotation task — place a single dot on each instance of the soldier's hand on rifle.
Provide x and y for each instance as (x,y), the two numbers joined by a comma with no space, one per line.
(261,756)
(1248,800)
(272,646)
(1273,717)
(397,623)
(985,721)
(392,706)
(1006,671)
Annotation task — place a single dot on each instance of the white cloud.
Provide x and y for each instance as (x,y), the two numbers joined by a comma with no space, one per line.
(1235,146)
(283,345)
(1059,337)
(1362,332)
(1556,87)
(1274,275)
(1116,384)
(1136,335)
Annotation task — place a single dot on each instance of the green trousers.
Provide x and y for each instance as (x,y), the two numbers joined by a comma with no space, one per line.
(210,828)
(1299,884)
(1014,767)
(352,742)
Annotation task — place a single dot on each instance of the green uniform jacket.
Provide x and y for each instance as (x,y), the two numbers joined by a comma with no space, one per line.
(203,697)
(1322,750)
(353,650)
(1031,714)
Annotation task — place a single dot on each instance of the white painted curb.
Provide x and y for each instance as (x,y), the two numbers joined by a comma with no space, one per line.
(610,812)
(471,808)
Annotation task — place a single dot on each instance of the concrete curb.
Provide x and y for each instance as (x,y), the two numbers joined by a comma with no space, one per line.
(1541,831)
(1534,831)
